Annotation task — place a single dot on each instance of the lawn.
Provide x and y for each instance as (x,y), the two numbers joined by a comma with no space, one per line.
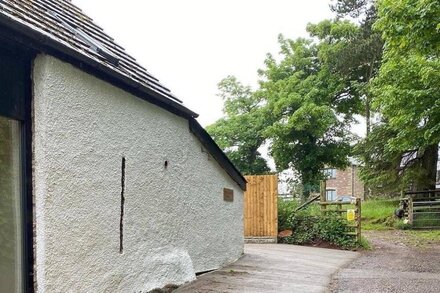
(379,214)
(423,237)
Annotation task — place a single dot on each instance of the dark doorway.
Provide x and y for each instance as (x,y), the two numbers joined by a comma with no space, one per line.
(16,256)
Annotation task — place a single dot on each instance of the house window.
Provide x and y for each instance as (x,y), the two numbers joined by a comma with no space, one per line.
(330,173)
(330,194)
(16,254)
(11,234)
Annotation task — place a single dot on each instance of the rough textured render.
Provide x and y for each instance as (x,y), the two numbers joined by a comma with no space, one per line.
(175,220)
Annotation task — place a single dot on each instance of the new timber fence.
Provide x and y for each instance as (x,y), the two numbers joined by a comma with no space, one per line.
(261,209)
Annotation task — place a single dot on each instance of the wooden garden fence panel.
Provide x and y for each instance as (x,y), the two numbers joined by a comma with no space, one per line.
(260,206)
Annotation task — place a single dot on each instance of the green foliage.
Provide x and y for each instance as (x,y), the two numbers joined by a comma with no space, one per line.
(375,209)
(381,168)
(302,95)
(331,228)
(364,243)
(407,88)
(432,236)
(240,132)
(352,8)
(379,214)
(374,56)
(285,211)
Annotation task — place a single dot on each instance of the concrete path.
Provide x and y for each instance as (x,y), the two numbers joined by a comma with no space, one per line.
(275,268)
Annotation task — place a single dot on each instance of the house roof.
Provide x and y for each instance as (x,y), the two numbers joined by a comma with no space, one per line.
(59,28)
(63,22)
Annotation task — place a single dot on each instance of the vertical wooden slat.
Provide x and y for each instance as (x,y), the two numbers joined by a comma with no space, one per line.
(255,203)
(269,203)
(254,209)
(260,210)
(246,208)
(265,208)
(260,195)
(275,205)
(269,199)
(245,213)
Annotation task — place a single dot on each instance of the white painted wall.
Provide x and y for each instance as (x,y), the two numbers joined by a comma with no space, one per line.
(175,223)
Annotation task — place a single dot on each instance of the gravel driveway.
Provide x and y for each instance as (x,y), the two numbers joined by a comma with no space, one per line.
(394,265)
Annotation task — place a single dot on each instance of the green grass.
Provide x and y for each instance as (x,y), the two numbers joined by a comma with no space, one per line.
(427,235)
(376,214)
(364,243)
(379,214)
(423,238)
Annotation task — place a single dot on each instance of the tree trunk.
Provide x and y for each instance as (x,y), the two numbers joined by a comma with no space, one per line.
(429,163)
(367,115)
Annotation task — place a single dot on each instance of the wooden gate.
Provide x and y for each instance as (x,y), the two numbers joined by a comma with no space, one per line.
(336,207)
(260,208)
(424,209)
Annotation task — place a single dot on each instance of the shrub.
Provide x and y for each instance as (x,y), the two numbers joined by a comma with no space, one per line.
(285,211)
(330,228)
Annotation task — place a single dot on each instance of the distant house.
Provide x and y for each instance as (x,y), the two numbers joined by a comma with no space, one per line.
(107,181)
(343,182)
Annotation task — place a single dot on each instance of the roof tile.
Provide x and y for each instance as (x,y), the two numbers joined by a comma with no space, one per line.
(48,16)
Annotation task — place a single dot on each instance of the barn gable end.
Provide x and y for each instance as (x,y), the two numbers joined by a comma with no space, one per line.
(124,188)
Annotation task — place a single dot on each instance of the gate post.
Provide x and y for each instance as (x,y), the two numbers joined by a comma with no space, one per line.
(358,219)
(322,198)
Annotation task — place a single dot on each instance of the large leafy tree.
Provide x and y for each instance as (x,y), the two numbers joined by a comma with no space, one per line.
(317,87)
(355,53)
(240,132)
(407,88)
(358,55)
(310,112)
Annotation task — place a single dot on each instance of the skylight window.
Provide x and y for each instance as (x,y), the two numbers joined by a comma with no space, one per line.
(93,44)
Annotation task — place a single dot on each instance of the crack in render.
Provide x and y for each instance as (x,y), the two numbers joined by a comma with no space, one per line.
(121,219)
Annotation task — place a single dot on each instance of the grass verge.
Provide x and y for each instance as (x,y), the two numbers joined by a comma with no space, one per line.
(379,214)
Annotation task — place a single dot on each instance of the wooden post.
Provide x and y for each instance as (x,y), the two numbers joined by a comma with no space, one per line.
(410,210)
(358,219)
(322,193)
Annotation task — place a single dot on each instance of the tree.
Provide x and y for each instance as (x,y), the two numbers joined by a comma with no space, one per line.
(240,132)
(355,52)
(310,128)
(407,87)
(358,59)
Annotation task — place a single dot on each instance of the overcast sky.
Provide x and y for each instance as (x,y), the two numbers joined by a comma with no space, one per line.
(191,45)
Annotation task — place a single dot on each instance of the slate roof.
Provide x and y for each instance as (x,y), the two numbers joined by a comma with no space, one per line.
(59,28)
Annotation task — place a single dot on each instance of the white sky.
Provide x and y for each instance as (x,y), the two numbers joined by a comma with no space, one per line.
(191,45)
